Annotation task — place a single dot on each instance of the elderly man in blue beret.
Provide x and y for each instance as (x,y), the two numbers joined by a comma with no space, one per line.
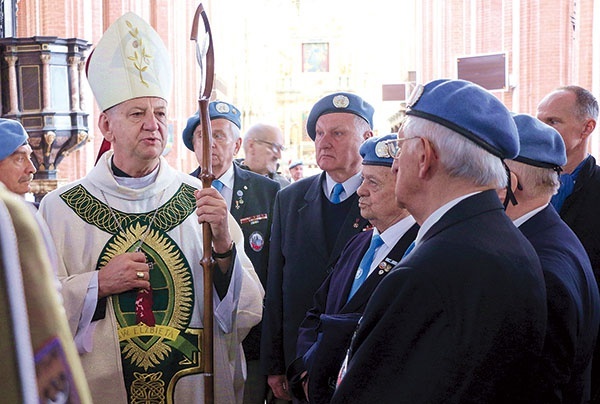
(572,293)
(16,167)
(462,317)
(296,169)
(367,258)
(314,219)
(250,197)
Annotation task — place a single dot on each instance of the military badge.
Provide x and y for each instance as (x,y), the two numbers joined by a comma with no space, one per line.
(222,108)
(415,95)
(257,241)
(382,150)
(341,101)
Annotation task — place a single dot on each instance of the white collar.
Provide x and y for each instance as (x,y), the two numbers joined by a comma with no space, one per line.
(437,215)
(227,177)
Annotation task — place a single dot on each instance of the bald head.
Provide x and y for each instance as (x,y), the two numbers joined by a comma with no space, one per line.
(263,145)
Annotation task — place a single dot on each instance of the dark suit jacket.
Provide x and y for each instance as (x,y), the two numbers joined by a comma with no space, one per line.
(580,211)
(299,261)
(322,343)
(573,315)
(460,320)
(252,207)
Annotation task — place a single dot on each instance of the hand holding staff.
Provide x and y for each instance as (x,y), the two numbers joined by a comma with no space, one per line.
(205,57)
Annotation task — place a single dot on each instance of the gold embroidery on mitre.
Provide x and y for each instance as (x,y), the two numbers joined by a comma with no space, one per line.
(140,58)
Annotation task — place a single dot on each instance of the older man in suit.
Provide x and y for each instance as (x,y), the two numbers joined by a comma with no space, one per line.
(572,293)
(16,167)
(367,258)
(313,220)
(250,199)
(462,317)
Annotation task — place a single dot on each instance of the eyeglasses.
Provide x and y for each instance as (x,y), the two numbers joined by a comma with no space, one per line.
(275,147)
(393,147)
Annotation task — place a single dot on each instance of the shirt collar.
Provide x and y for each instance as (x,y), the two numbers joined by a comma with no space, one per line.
(520,220)
(350,185)
(437,215)
(227,177)
(393,233)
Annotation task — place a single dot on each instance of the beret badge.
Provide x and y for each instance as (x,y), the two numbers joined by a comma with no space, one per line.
(417,92)
(382,151)
(222,108)
(341,101)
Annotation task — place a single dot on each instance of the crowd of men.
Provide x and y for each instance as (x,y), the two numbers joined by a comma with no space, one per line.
(454,261)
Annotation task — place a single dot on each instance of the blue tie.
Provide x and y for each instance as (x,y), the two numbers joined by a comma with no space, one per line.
(335,194)
(365,264)
(409,249)
(218,185)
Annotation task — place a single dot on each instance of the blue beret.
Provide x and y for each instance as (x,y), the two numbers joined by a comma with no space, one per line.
(469,110)
(375,152)
(216,110)
(339,102)
(12,136)
(295,164)
(541,144)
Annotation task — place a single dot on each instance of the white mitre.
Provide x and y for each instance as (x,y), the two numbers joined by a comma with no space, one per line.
(130,61)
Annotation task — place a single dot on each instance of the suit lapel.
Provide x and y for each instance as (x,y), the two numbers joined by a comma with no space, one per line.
(240,180)
(353,224)
(394,256)
(469,207)
(311,212)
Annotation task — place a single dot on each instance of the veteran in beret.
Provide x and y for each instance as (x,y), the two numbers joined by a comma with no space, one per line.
(462,317)
(16,167)
(572,294)
(296,169)
(130,243)
(250,198)
(367,258)
(314,219)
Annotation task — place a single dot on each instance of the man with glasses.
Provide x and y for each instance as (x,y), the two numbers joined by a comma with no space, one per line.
(263,145)
(462,317)
(250,199)
(367,258)
(313,220)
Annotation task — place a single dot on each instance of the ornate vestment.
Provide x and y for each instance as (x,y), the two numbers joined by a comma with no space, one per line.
(95,219)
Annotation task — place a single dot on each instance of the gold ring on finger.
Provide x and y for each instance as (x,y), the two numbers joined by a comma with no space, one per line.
(140,275)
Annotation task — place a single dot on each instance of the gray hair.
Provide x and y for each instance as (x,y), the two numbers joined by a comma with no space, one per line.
(536,181)
(460,157)
(361,125)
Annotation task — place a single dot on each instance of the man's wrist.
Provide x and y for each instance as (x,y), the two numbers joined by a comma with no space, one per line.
(225,254)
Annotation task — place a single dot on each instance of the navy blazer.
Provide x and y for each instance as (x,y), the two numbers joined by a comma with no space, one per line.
(580,212)
(299,262)
(323,354)
(252,207)
(461,319)
(573,315)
